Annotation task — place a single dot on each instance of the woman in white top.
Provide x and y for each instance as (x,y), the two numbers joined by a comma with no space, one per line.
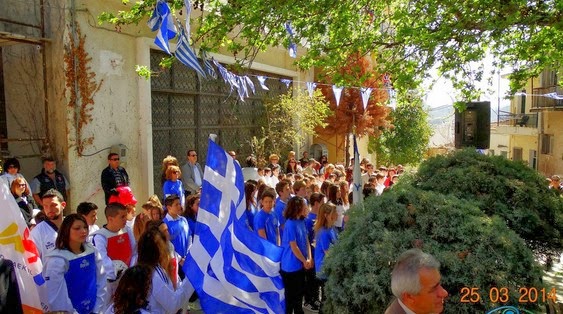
(165,297)
(73,272)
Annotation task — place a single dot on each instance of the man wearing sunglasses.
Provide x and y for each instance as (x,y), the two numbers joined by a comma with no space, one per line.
(192,174)
(113,176)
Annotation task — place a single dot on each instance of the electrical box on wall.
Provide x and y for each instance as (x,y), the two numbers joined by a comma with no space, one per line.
(121,150)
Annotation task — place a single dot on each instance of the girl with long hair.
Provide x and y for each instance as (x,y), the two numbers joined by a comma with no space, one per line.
(73,272)
(296,256)
(251,204)
(335,197)
(153,251)
(325,237)
(132,293)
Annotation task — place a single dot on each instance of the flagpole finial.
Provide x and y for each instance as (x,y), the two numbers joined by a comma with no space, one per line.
(213,137)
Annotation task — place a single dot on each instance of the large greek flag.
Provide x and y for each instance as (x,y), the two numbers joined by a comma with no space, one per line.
(232,269)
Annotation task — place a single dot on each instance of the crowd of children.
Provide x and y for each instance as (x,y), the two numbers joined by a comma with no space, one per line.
(134,263)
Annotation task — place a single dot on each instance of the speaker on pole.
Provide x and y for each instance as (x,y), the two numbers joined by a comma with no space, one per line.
(473,126)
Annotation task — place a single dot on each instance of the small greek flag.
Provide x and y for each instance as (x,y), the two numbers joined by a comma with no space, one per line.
(186,55)
(357,176)
(262,80)
(232,269)
(292,45)
(161,21)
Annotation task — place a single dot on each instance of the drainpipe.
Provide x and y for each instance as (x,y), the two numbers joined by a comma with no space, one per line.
(45,84)
(74,37)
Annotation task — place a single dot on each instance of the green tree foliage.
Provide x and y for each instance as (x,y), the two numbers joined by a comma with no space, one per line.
(407,140)
(474,249)
(287,120)
(501,187)
(406,38)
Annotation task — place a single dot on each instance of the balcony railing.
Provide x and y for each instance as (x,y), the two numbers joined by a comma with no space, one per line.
(547,98)
(528,120)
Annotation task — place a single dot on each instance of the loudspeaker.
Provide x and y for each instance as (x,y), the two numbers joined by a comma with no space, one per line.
(473,126)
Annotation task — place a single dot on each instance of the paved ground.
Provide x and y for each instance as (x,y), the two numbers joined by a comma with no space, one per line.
(554,279)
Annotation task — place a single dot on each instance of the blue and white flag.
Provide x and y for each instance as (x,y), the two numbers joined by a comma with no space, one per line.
(337,90)
(161,21)
(232,269)
(250,84)
(207,64)
(188,7)
(366,92)
(292,45)
(357,176)
(311,88)
(186,55)
(262,81)
(286,82)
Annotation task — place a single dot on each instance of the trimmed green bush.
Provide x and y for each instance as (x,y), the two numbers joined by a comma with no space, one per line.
(475,250)
(502,187)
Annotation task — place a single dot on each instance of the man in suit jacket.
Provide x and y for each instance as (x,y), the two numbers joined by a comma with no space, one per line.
(415,282)
(192,174)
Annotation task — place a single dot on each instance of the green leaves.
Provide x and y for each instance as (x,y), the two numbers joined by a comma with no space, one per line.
(406,38)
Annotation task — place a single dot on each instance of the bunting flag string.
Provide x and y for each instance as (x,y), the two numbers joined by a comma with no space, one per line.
(207,64)
(292,45)
(161,21)
(366,92)
(188,6)
(311,88)
(262,80)
(186,55)
(286,82)
(337,90)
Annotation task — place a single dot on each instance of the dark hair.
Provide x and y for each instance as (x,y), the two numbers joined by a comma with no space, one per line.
(281,185)
(112,209)
(249,189)
(111,155)
(189,151)
(63,237)
(133,290)
(153,224)
(251,161)
(85,208)
(189,212)
(315,198)
(48,158)
(39,217)
(268,192)
(324,187)
(332,191)
(294,208)
(169,200)
(152,249)
(53,193)
(11,162)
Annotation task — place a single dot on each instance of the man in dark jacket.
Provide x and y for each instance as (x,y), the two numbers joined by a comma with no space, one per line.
(49,178)
(113,176)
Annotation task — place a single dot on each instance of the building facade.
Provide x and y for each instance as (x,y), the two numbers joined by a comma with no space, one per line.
(68,88)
